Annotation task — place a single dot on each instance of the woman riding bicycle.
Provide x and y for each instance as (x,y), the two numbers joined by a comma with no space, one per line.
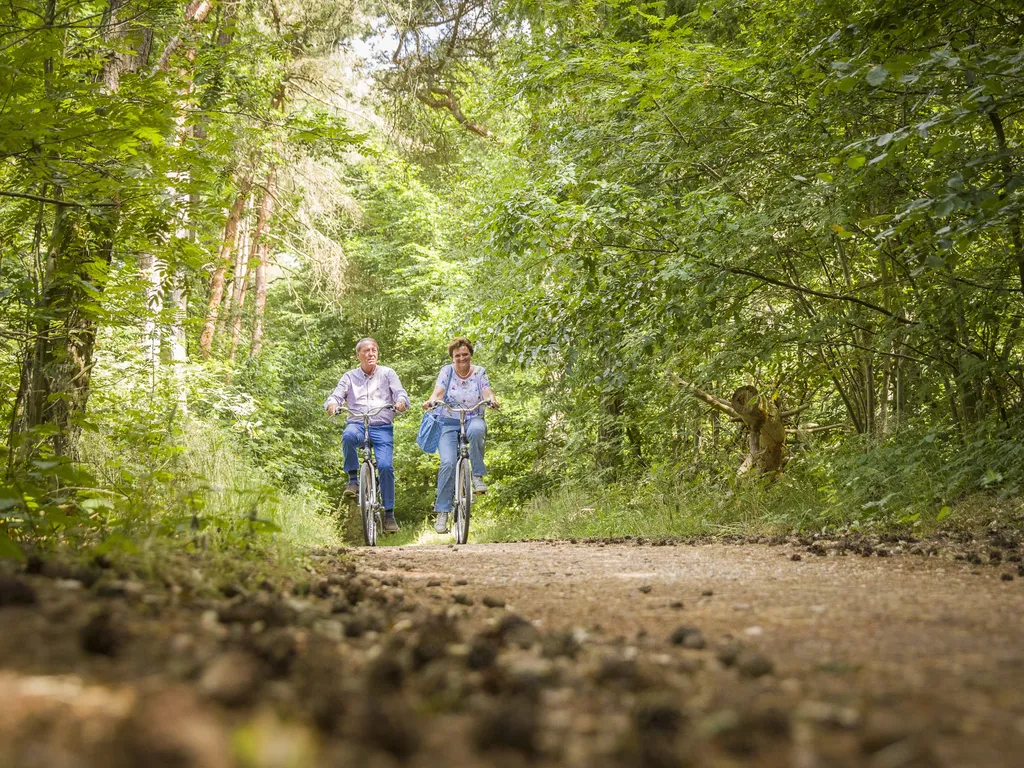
(460,385)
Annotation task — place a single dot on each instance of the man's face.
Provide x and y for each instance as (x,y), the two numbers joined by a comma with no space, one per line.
(367,355)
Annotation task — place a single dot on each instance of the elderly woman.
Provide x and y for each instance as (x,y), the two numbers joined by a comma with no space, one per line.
(460,385)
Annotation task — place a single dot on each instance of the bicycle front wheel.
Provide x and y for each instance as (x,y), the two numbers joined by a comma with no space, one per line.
(367,500)
(463,500)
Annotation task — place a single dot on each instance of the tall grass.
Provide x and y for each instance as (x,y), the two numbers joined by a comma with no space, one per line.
(917,481)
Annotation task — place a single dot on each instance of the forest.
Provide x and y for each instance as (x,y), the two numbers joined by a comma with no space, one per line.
(731,267)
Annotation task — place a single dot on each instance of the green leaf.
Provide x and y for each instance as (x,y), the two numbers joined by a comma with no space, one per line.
(706,12)
(856,161)
(9,549)
(824,177)
(877,75)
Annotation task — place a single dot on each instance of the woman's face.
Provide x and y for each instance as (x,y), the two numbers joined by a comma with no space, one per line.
(461,356)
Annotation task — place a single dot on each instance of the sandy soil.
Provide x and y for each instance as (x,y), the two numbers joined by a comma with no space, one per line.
(606,654)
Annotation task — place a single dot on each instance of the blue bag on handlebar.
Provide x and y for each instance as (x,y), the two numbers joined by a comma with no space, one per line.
(429,436)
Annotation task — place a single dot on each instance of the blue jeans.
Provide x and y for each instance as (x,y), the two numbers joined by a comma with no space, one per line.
(448,448)
(383,439)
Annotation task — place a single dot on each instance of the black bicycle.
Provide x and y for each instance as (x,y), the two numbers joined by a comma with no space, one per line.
(370,505)
(462,502)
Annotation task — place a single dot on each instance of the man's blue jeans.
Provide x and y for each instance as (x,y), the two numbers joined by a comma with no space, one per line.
(448,448)
(383,439)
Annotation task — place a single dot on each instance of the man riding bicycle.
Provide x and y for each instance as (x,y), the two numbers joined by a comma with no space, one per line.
(363,389)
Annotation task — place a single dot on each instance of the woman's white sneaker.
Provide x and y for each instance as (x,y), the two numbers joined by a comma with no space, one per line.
(441,526)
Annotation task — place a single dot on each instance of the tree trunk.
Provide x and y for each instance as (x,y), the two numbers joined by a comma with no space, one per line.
(266,208)
(217,280)
(263,256)
(767,434)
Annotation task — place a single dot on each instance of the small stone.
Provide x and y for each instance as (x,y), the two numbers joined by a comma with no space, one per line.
(117,588)
(1007,577)
(434,583)
(512,724)
(493,602)
(729,653)
(828,714)
(402,625)
(481,655)
(687,637)
(278,648)
(16,592)
(460,582)
(390,725)
(646,589)
(100,636)
(515,630)
(676,605)
(707,593)
(385,675)
(560,644)
(462,599)
(233,678)
(754,665)
(795,558)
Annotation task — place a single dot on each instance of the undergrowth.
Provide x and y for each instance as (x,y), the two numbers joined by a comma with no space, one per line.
(916,482)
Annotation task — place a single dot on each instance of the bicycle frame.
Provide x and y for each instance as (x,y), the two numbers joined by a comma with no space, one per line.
(463,495)
(370,505)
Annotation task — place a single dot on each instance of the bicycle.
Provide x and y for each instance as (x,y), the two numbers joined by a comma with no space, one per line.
(463,497)
(370,505)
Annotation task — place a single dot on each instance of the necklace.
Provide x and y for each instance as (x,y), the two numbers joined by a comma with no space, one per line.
(470,373)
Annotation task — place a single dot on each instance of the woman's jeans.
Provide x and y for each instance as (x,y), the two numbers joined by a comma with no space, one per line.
(382,437)
(449,450)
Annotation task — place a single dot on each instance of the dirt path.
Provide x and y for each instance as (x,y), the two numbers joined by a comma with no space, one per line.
(541,653)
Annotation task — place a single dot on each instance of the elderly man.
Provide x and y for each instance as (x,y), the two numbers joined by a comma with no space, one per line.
(364,389)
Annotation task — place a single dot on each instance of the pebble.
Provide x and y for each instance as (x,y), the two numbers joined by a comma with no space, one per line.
(646,589)
(330,628)
(493,602)
(99,636)
(16,592)
(754,665)
(688,637)
(232,678)
(828,714)
(462,598)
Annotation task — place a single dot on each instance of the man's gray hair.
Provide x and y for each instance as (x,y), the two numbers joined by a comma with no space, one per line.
(365,340)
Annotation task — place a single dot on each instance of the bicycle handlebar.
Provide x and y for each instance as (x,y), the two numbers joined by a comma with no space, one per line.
(368,414)
(439,403)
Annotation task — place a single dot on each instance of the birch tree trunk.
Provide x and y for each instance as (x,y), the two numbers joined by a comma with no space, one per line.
(263,255)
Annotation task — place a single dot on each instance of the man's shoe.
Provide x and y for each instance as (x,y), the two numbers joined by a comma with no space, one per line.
(352,490)
(441,526)
(479,486)
(390,524)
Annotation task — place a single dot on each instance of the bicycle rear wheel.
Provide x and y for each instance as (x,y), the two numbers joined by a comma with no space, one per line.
(367,501)
(463,500)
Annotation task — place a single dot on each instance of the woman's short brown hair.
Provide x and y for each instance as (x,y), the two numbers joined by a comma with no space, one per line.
(459,341)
